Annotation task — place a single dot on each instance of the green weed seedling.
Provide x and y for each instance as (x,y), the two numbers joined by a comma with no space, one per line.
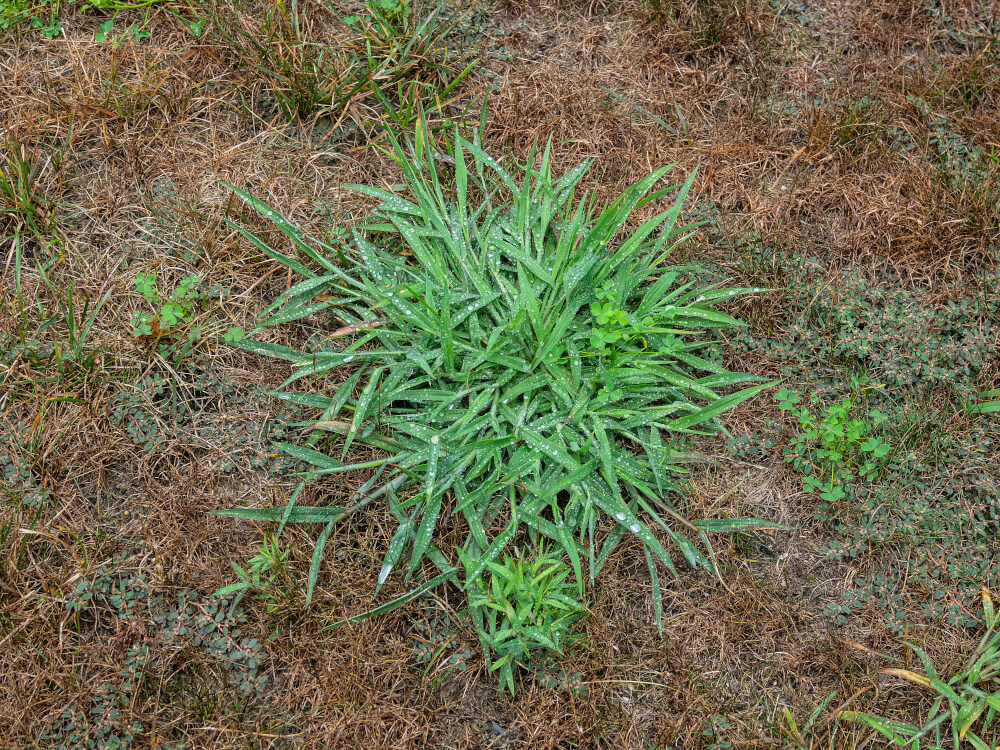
(134,32)
(966,706)
(263,575)
(715,733)
(528,608)
(173,313)
(833,448)
(613,325)
(56,341)
(25,212)
(808,736)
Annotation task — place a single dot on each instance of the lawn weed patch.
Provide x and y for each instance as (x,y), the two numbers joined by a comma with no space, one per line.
(501,384)
(890,435)
(209,632)
(340,70)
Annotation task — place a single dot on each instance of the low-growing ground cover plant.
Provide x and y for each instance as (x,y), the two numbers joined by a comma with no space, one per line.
(168,312)
(487,370)
(899,432)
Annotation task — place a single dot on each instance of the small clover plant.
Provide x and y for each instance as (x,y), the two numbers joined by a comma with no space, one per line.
(614,326)
(169,313)
(833,448)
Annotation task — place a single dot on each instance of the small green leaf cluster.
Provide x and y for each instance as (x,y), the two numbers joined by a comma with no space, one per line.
(17,481)
(134,32)
(966,171)
(14,12)
(169,312)
(613,325)
(833,448)
(393,10)
(966,706)
(467,313)
(105,727)
(265,575)
(528,607)
(43,16)
(750,445)
(715,731)
(440,648)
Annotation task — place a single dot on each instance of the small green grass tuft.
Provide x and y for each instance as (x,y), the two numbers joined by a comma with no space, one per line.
(385,61)
(966,706)
(528,607)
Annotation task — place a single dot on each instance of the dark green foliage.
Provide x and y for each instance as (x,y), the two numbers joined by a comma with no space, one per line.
(208,631)
(208,412)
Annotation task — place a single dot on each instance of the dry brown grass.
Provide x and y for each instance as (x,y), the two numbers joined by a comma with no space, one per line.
(760,105)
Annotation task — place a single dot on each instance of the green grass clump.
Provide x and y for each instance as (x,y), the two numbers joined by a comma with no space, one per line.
(521,361)
(384,60)
(528,608)
(965,707)
(27,215)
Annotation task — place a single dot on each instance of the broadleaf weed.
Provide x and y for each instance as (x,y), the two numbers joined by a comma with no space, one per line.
(833,447)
